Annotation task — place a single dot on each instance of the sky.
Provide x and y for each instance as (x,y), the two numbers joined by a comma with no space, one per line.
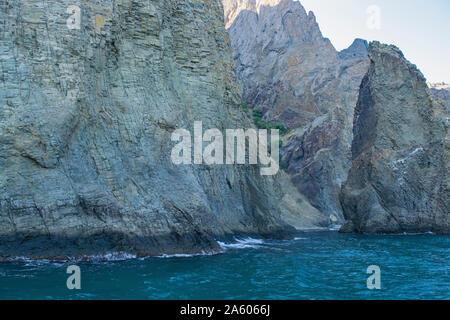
(420,28)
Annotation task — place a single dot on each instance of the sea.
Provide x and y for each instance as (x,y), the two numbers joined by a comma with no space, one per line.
(312,266)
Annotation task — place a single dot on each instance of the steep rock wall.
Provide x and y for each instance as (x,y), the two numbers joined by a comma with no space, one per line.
(399,181)
(86,118)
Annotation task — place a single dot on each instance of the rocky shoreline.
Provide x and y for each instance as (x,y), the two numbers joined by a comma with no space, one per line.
(87,115)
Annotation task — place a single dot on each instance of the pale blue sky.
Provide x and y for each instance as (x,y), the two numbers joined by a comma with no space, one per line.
(420,28)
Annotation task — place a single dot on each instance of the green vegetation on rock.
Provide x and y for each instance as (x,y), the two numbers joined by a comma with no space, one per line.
(259,122)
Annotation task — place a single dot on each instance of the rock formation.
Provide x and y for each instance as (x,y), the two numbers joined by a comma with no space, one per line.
(86,117)
(441,91)
(399,180)
(295,75)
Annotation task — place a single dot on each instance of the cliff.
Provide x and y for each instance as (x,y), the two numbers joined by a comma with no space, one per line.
(296,77)
(399,180)
(86,118)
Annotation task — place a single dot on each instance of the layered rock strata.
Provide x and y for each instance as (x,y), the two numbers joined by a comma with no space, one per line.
(86,117)
(296,77)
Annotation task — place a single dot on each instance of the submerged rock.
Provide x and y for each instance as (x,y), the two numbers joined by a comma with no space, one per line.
(399,180)
(86,117)
(295,75)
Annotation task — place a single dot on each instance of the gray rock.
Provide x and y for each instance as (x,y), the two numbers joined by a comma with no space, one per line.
(358,49)
(295,75)
(86,118)
(399,180)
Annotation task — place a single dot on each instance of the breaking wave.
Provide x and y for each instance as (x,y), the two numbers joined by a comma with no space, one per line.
(242,244)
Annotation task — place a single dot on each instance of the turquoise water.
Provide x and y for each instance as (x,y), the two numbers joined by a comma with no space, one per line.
(314,266)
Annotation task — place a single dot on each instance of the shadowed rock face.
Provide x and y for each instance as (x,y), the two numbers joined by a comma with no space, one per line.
(399,178)
(86,118)
(295,75)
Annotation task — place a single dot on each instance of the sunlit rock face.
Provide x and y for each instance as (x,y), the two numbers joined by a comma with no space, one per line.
(399,180)
(86,117)
(295,75)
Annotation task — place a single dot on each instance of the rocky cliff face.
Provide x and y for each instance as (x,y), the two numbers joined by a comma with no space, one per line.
(399,181)
(86,118)
(295,75)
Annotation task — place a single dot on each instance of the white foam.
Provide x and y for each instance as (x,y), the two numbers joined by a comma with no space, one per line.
(335,227)
(417,234)
(242,243)
(30,262)
(186,255)
(250,241)
(112,256)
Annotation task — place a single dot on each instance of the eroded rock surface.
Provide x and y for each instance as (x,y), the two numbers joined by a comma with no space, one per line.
(295,75)
(86,118)
(399,180)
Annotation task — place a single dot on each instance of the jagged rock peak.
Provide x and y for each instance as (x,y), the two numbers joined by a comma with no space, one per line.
(399,180)
(359,48)
(441,91)
(232,8)
(386,52)
(439,85)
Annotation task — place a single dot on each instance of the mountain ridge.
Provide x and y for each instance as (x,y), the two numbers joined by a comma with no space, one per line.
(85,134)
(296,76)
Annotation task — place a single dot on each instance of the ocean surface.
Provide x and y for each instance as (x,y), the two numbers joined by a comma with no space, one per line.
(318,265)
